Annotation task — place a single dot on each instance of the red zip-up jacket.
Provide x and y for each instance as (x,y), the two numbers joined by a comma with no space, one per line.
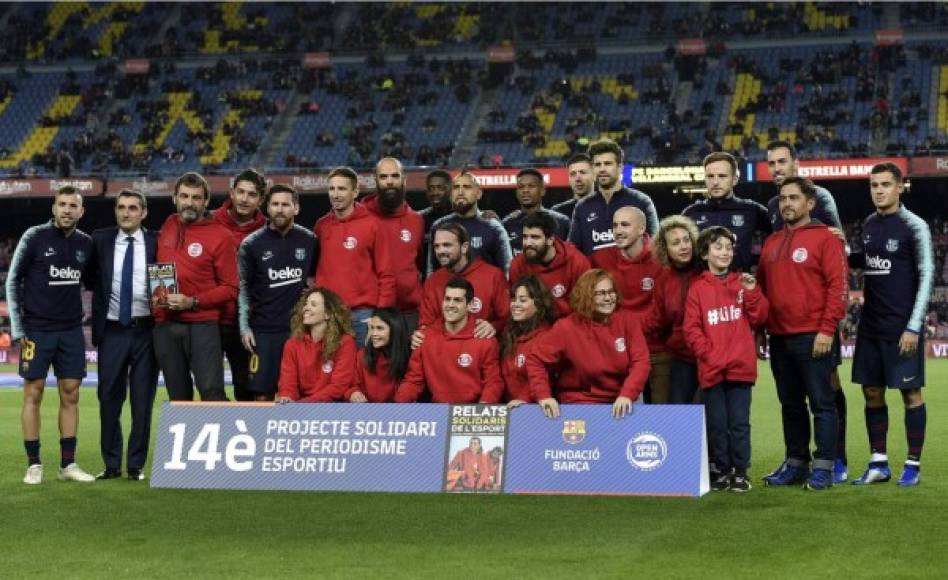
(475,468)
(239,231)
(404,234)
(558,276)
(636,278)
(803,273)
(205,259)
(305,377)
(598,362)
(720,318)
(456,368)
(491,296)
(514,367)
(374,384)
(354,260)
(667,313)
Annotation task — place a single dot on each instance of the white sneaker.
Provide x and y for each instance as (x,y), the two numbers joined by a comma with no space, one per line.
(34,474)
(73,472)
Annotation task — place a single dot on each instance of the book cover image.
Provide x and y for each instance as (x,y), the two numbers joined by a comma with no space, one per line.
(162,281)
(476,449)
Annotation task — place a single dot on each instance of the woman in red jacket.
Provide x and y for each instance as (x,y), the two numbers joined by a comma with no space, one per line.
(599,351)
(319,358)
(384,361)
(674,248)
(722,311)
(532,312)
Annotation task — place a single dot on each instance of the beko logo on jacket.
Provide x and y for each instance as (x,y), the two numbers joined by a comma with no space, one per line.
(605,236)
(284,276)
(63,276)
(879,264)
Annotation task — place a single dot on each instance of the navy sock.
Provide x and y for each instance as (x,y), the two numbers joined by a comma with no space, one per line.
(915,419)
(68,447)
(877,424)
(32,451)
(841,426)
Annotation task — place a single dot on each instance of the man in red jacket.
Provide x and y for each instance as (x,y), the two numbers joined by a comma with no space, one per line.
(403,230)
(474,466)
(240,213)
(490,306)
(354,259)
(634,265)
(187,336)
(559,264)
(454,365)
(803,275)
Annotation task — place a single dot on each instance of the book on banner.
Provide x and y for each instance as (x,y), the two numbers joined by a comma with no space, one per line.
(162,282)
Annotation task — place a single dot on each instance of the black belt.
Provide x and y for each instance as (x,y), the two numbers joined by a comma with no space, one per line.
(136,321)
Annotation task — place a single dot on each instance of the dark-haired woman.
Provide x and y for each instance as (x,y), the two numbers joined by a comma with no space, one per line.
(532,313)
(384,361)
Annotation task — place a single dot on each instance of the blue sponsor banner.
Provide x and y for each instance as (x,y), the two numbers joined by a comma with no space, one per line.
(302,447)
(657,450)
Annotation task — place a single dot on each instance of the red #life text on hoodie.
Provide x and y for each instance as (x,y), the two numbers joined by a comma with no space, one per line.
(720,316)
(354,261)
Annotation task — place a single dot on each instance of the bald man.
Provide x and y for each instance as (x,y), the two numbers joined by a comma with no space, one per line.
(403,230)
(635,268)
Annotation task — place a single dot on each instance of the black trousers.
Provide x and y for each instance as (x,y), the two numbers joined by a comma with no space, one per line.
(189,354)
(127,369)
(239,360)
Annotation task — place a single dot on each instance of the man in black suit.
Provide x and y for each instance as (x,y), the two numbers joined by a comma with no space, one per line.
(122,331)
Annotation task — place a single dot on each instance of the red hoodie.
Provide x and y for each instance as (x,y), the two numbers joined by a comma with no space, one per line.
(374,384)
(665,316)
(354,261)
(456,368)
(514,367)
(635,278)
(305,377)
(205,259)
(404,233)
(558,276)
(239,231)
(491,297)
(474,467)
(719,320)
(598,362)
(803,273)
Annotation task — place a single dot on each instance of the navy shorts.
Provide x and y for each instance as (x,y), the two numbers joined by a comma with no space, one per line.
(877,362)
(65,350)
(265,362)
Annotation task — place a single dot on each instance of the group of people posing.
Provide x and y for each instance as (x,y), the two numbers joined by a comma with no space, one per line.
(594,301)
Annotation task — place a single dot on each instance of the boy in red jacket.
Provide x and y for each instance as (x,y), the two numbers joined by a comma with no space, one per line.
(455,366)
(722,309)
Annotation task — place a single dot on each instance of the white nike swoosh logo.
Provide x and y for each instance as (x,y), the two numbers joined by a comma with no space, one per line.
(908,379)
(48,254)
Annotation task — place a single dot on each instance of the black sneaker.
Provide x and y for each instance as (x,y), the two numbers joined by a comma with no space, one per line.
(722,483)
(740,484)
(110,474)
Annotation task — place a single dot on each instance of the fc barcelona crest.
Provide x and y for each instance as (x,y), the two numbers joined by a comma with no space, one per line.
(892,245)
(300,254)
(737,220)
(574,431)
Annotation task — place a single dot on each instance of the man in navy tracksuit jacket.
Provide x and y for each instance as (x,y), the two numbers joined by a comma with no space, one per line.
(45,302)
(274,265)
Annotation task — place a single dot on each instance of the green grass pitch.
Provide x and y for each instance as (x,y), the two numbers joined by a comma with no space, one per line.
(122,529)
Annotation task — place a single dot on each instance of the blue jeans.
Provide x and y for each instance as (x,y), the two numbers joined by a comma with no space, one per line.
(727,407)
(360,324)
(684,382)
(800,377)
